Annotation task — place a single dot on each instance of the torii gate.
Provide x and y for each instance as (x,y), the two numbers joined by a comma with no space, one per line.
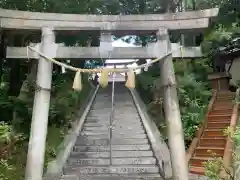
(108,25)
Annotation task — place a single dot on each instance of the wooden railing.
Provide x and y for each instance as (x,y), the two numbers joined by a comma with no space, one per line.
(227,157)
(199,133)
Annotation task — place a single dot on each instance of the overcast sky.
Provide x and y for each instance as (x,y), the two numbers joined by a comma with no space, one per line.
(120,43)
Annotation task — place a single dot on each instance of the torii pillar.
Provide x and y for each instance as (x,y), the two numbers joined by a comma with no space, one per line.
(106,47)
(171,107)
(36,147)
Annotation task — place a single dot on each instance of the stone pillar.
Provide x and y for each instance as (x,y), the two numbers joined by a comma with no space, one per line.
(36,148)
(105,44)
(171,107)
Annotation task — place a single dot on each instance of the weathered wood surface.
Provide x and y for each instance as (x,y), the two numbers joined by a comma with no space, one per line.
(151,22)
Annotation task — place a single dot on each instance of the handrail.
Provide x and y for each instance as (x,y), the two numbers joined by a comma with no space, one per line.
(111,118)
(199,133)
(227,157)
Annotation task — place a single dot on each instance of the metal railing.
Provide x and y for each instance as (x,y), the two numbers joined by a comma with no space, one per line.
(111,117)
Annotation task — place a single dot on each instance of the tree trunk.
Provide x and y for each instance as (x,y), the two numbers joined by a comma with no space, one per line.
(24,88)
(14,86)
(30,80)
(2,52)
(15,73)
(194,5)
(15,78)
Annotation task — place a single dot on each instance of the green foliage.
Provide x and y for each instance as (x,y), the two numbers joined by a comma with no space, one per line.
(226,28)
(193,98)
(94,6)
(10,143)
(193,95)
(62,107)
(12,164)
(215,166)
(6,133)
(14,133)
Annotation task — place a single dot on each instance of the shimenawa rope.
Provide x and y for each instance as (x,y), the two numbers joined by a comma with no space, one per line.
(77,84)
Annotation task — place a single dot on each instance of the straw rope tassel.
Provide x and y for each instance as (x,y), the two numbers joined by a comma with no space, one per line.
(130,79)
(103,80)
(77,83)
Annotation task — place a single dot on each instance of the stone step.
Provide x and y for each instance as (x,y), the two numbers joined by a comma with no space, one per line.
(117,129)
(133,127)
(96,109)
(114,123)
(114,136)
(106,154)
(117,122)
(126,122)
(129,122)
(125,107)
(132,169)
(105,102)
(114,147)
(112,177)
(98,116)
(103,96)
(95,116)
(114,132)
(117,106)
(132,156)
(119,117)
(121,109)
(115,161)
(115,142)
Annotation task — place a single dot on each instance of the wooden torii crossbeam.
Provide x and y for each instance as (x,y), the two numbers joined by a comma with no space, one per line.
(108,25)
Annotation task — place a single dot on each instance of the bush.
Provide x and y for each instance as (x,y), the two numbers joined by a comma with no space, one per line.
(193,96)
(215,166)
(14,134)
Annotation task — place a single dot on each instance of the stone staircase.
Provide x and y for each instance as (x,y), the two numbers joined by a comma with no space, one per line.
(132,155)
(213,138)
